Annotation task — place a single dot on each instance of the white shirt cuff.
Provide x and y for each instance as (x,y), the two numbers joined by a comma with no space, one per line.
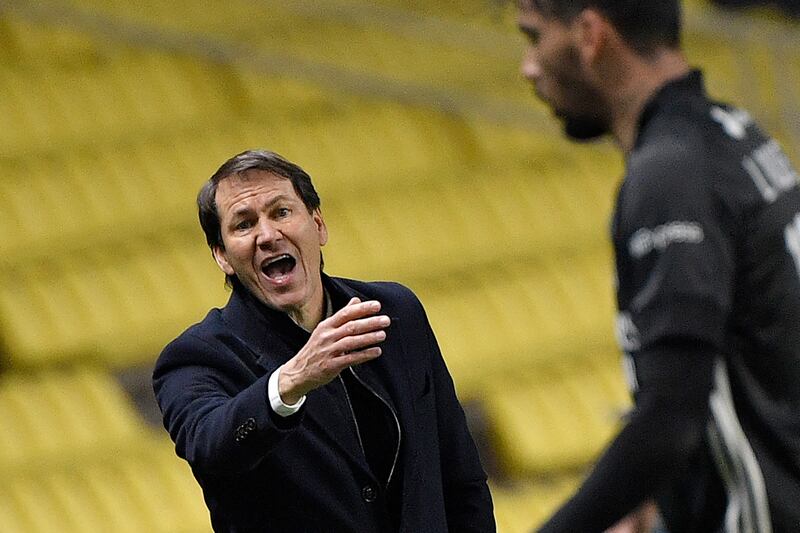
(275,400)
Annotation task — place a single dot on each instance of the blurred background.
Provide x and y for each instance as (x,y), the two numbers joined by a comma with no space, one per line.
(436,167)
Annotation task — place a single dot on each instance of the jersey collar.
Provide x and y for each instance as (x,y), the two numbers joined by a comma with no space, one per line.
(675,90)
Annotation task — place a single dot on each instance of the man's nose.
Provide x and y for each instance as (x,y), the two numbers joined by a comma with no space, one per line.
(267,234)
(530,67)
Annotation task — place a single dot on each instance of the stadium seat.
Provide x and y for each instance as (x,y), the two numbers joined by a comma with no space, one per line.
(130,493)
(557,418)
(412,121)
(515,316)
(519,507)
(75,457)
(63,413)
(113,97)
(118,306)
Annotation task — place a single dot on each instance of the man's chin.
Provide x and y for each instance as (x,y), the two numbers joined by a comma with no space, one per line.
(583,129)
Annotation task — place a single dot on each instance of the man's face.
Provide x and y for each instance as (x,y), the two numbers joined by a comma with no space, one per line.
(552,64)
(272,242)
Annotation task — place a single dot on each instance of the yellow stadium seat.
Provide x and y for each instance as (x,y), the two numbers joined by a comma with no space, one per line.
(129,493)
(119,306)
(522,506)
(557,418)
(69,414)
(75,457)
(514,316)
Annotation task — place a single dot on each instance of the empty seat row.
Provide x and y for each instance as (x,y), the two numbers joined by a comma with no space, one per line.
(151,490)
(113,97)
(517,316)
(75,456)
(64,415)
(557,418)
(393,159)
(521,506)
(121,304)
(116,306)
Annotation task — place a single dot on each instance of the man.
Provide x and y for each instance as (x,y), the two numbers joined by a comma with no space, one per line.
(707,242)
(312,403)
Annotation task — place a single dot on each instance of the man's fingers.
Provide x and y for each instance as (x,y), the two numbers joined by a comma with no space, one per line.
(354,311)
(358,342)
(360,326)
(358,357)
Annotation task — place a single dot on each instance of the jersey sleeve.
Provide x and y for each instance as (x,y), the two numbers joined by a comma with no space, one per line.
(675,253)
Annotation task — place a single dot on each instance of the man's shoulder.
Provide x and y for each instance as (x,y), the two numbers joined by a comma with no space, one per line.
(697,151)
(671,166)
(199,335)
(210,324)
(697,133)
(671,141)
(378,289)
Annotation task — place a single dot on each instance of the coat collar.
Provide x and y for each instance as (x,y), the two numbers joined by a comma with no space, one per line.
(666,98)
(269,332)
(273,338)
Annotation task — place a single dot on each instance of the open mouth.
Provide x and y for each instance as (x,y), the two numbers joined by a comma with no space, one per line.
(279,267)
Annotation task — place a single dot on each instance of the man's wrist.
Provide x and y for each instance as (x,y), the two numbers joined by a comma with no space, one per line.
(275,400)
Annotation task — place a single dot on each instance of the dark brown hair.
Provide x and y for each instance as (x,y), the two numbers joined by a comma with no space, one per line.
(644,24)
(238,164)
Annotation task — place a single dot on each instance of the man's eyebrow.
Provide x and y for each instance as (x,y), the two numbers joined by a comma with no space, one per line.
(246,208)
(279,198)
(240,211)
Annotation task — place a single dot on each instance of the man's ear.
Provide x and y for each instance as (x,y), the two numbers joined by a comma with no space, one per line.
(322,229)
(593,31)
(222,259)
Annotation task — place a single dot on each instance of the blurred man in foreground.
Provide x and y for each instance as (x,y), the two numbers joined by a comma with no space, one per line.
(312,403)
(707,241)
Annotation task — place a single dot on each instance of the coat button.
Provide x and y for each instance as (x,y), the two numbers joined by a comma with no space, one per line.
(369,494)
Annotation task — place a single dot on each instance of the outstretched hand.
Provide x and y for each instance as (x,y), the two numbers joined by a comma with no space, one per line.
(342,340)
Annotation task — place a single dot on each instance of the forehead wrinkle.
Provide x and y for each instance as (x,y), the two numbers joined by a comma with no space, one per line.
(242,203)
(236,204)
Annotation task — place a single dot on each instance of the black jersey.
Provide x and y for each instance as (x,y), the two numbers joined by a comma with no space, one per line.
(707,241)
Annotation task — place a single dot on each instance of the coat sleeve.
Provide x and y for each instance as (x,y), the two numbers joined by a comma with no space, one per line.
(220,421)
(468,502)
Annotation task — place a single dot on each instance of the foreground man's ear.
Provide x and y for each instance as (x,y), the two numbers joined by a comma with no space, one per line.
(222,260)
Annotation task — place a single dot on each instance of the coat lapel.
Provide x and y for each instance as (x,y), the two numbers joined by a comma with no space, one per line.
(388,371)
(388,375)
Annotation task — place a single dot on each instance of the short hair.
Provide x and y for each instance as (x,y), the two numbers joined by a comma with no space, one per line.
(644,24)
(236,166)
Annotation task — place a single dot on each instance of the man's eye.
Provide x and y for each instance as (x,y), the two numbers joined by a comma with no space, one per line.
(282,212)
(244,224)
(532,36)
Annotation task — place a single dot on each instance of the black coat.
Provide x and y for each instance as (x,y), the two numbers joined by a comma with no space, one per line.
(261,472)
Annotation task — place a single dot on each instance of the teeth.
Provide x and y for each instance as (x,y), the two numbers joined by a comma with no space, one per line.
(275,259)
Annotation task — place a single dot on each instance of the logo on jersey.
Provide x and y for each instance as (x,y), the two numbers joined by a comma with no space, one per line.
(627,333)
(629,368)
(733,121)
(645,240)
(792,235)
(770,170)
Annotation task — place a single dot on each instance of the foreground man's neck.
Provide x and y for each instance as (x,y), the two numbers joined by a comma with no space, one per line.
(644,78)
